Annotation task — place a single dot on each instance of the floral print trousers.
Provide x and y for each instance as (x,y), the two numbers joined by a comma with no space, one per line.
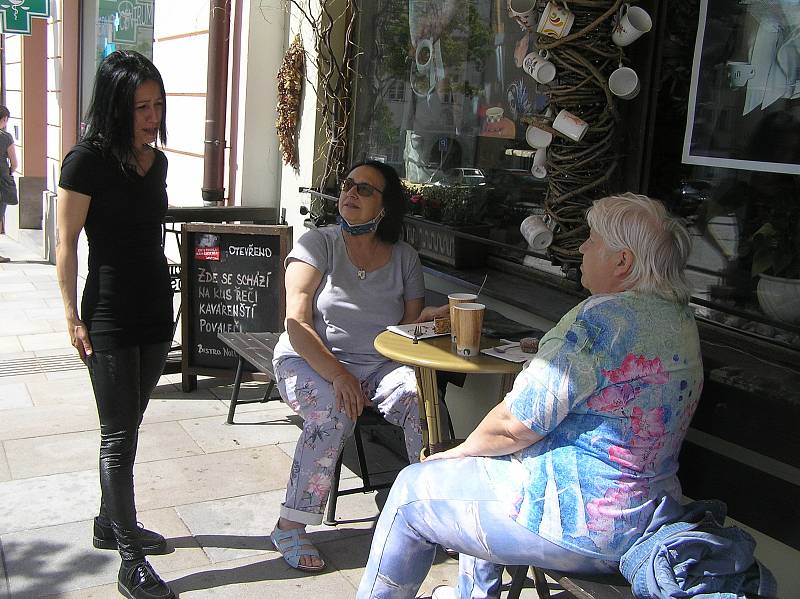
(392,390)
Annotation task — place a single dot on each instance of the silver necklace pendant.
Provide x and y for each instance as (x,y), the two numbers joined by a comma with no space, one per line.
(362,274)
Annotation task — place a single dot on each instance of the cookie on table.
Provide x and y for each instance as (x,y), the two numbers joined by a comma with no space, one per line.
(529,345)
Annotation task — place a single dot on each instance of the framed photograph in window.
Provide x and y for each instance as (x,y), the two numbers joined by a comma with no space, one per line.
(744,100)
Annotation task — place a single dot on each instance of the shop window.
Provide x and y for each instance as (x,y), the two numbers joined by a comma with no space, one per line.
(110,25)
(396,91)
(726,156)
(441,98)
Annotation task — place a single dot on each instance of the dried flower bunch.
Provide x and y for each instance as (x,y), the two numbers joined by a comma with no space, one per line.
(290,92)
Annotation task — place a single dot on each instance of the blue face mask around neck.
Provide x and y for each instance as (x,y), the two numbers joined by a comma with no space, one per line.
(363,228)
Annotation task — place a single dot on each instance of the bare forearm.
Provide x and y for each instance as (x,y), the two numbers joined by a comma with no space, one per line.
(492,438)
(309,346)
(499,433)
(67,273)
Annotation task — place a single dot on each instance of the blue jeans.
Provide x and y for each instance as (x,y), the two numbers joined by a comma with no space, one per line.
(452,503)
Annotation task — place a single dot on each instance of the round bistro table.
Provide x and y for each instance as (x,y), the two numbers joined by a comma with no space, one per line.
(430,355)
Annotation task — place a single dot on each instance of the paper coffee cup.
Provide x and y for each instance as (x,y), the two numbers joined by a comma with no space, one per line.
(454,299)
(469,317)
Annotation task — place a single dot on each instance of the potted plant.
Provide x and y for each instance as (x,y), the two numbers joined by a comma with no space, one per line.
(438,213)
(775,249)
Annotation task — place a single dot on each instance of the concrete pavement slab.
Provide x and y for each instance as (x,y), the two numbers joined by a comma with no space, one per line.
(15,326)
(233,528)
(61,392)
(5,471)
(17,286)
(201,478)
(66,561)
(47,560)
(252,429)
(166,410)
(14,395)
(258,577)
(46,341)
(9,344)
(168,390)
(4,592)
(21,423)
(45,313)
(48,500)
(72,452)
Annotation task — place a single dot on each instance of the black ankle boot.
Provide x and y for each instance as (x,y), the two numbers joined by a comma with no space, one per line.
(138,580)
(151,542)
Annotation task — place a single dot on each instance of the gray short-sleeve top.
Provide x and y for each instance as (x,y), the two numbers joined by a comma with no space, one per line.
(349,312)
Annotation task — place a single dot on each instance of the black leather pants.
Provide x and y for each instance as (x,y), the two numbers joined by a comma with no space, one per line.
(123,380)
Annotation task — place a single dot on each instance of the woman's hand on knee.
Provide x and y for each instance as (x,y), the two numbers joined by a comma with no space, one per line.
(79,338)
(350,397)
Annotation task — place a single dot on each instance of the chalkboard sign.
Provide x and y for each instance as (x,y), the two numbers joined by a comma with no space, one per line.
(232,281)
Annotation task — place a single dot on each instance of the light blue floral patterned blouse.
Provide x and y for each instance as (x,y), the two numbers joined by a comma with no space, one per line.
(612,389)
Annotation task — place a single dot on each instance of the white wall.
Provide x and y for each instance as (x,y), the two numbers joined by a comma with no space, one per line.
(258,162)
(180,51)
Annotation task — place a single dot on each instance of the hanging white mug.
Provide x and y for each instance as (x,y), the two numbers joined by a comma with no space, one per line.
(556,21)
(536,232)
(570,125)
(523,12)
(539,168)
(539,67)
(632,23)
(537,138)
(624,83)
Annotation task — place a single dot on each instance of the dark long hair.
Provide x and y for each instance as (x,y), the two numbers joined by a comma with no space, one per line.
(394,203)
(109,121)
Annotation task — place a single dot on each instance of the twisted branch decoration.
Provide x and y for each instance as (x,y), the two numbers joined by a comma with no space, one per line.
(335,62)
(579,172)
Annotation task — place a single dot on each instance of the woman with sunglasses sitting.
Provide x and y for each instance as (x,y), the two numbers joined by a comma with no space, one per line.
(344,285)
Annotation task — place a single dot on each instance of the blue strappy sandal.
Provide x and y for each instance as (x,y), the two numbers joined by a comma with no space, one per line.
(294,544)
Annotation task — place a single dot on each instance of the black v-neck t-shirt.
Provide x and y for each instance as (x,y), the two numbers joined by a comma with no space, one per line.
(127,299)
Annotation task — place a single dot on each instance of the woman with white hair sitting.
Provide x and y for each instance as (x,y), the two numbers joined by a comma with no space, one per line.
(566,472)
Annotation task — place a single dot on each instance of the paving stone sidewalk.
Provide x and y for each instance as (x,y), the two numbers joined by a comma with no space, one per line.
(214,490)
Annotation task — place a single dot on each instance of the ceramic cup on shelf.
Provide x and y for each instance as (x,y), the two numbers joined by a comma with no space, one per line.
(469,319)
(494,114)
(624,83)
(537,138)
(454,299)
(536,232)
(539,168)
(631,24)
(556,21)
(739,73)
(537,65)
(570,125)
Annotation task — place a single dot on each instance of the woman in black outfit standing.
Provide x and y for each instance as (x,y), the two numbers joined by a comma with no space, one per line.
(113,186)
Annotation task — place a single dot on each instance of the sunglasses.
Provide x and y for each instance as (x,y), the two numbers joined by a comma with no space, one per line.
(365,190)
